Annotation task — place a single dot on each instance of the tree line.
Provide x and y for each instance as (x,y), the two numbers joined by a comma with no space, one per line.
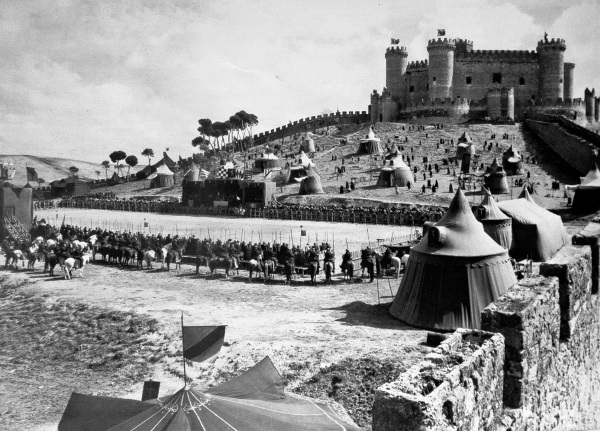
(214,136)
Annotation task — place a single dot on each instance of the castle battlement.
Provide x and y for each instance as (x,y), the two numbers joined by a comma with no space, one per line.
(441,44)
(417,65)
(498,55)
(396,50)
(552,44)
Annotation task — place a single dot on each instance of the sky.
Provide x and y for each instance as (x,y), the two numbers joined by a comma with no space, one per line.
(81,79)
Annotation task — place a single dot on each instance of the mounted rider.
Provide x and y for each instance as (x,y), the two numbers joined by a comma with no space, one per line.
(346,257)
(313,257)
(329,256)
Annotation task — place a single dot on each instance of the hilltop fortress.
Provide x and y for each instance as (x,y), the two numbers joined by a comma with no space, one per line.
(457,81)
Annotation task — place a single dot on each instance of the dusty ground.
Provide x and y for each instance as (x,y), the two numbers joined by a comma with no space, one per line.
(306,330)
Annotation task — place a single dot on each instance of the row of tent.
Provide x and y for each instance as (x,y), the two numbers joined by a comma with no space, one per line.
(463,262)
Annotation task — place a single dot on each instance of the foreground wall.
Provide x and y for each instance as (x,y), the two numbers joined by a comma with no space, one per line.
(550,367)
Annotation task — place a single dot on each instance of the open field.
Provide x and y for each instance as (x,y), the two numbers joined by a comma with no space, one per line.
(305,329)
(229,227)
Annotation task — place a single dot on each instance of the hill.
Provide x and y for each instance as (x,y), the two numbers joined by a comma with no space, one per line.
(54,168)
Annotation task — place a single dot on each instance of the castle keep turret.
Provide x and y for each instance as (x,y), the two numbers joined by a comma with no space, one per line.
(441,67)
(456,80)
(551,69)
(396,60)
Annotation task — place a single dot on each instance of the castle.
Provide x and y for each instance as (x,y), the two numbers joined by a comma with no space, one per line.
(458,81)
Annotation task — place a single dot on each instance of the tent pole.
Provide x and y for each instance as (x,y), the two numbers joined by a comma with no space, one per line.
(183,352)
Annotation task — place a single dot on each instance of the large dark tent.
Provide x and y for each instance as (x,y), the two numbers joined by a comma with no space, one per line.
(370,144)
(253,401)
(512,162)
(308,144)
(71,186)
(162,177)
(587,194)
(395,173)
(453,273)
(495,223)
(495,179)
(537,233)
(311,184)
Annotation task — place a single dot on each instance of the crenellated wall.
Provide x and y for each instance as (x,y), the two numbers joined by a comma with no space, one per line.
(538,367)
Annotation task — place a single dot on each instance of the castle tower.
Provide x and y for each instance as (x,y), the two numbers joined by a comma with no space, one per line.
(441,67)
(494,103)
(396,60)
(589,104)
(551,69)
(597,109)
(388,107)
(507,101)
(568,94)
(374,107)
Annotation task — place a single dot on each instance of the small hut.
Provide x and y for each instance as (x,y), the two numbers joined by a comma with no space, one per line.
(308,144)
(512,162)
(396,173)
(193,174)
(495,179)
(587,194)
(370,144)
(495,223)
(311,184)
(162,177)
(453,273)
(537,233)
(267,163)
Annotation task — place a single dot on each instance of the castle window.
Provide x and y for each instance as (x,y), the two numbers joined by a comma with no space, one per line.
(521,81)
(411,89)
(434,79)
(497,78)
(427,87)
(561,81)
(533,97)
(469,80)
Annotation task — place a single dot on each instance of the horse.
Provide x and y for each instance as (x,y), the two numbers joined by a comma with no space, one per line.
(369,265)
(255,266)
(13,257)
(348,270)
(288,268)
(83,261)
(50,261)
(68,265)
(328,267)
(149,256)
(200,260)
(313,267)
(395,262)
(33,255)
(220,263)
(269,266)
(175,257)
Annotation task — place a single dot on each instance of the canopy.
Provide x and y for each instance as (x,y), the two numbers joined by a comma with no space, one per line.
(465,138)
(587,194)
(253,401)
(396,173)
(537,233)
(370,144)
(162,169)
(495,223)
(453,273)
(495,179)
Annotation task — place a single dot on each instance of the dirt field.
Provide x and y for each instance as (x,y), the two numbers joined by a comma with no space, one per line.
(305,329)
(224,228)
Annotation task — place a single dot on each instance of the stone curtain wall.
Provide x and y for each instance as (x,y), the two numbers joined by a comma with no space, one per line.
(458,386)
(575,150)
(548,327)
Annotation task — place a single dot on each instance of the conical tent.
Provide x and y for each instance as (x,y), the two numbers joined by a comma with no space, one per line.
(193,174)
(587,194)
(495,179)
(267,162)
(311,184)
(495,223)
(526,195)
(254,401)
(308,144)
(453,273)
(392,151)
(304,160)
(396,173)
(537,233)
(464,142)
(370,144)
(162,177)
(512,162)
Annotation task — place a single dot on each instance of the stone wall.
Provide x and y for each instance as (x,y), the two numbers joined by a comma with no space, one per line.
(549,328)
(576,150)
(457,386)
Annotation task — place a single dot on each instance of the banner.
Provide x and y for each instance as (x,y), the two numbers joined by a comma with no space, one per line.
(202,343)
(441,32)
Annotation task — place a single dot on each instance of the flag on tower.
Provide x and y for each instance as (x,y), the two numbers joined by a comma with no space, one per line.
(395,41)
(441,32)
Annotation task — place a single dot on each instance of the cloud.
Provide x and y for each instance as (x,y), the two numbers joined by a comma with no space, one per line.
(83,78)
